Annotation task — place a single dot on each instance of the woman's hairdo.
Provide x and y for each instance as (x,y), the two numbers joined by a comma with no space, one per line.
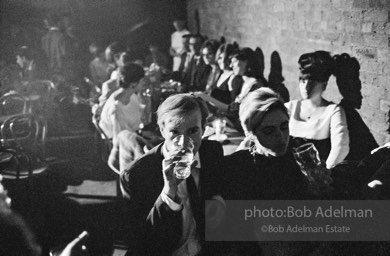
(211,44)
(228,50)
(130,73)
(256,105)
(247,55)
(317,66)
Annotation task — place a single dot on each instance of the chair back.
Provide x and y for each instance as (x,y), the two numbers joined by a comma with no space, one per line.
(20,131)
(40,87)
(39,93)
(12,104)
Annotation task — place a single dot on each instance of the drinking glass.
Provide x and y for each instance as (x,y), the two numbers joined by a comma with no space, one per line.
(185,146)
(219,126)
(307,157)
(309,161)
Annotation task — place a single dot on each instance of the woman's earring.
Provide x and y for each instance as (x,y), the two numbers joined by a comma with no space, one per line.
(252,147)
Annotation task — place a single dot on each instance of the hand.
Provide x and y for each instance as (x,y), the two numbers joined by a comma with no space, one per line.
(201,95)
(170,181)
(74,247)
(387,145)
(320,180)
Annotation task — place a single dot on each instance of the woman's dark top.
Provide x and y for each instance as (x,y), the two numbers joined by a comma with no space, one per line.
(279,178)
(222,92)
(258,177)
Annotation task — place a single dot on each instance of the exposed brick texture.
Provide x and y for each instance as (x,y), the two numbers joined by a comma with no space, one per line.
(360,28)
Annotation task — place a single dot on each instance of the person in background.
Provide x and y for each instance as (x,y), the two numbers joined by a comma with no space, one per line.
(242,67)
(226,88)
(208,52)
(112,85)
(123,110)
(194,78)
(177,47)
(98,67)
(112,55)
(156,56)
(25,59)
(314,119)
(169,212)
(54,44)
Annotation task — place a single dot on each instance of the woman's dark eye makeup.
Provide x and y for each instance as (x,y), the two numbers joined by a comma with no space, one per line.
(268,130)
(284,125)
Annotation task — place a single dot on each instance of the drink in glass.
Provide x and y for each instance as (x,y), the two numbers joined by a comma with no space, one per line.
(185,146)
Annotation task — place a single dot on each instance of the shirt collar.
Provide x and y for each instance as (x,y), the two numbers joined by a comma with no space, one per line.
(196,156)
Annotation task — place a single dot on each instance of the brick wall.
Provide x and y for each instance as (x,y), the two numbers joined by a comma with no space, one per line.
(360,28)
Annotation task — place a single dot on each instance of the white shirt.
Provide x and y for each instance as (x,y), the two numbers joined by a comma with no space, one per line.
(117,117)
(177,46)
(331,124)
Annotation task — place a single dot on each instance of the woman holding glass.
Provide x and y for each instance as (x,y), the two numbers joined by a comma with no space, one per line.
(313,118)
(268,169)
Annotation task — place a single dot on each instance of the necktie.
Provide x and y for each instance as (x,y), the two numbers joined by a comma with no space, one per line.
(196,205)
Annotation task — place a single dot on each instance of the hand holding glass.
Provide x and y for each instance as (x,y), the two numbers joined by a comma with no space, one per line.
(309,161)
(185,146)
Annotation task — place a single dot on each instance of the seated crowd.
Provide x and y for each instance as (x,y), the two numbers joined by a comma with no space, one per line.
(219,80)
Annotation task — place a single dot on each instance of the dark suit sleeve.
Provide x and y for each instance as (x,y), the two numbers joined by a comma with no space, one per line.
(156,227)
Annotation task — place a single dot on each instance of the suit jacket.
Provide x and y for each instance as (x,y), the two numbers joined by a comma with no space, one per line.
(55,47)
(157,228)
(195,77)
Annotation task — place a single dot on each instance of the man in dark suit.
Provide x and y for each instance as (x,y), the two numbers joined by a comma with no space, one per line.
(167,212)
(193,70)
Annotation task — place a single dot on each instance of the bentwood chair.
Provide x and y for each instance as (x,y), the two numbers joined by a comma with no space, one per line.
(39,94)
(25,135)
(12,104)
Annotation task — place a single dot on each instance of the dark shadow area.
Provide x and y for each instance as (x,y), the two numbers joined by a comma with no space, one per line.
(275,77)
(197,22)
(349,84)
(77,192)
(259,65)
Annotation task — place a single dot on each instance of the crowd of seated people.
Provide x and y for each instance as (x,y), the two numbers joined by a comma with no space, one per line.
(225,80)
(168,215)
